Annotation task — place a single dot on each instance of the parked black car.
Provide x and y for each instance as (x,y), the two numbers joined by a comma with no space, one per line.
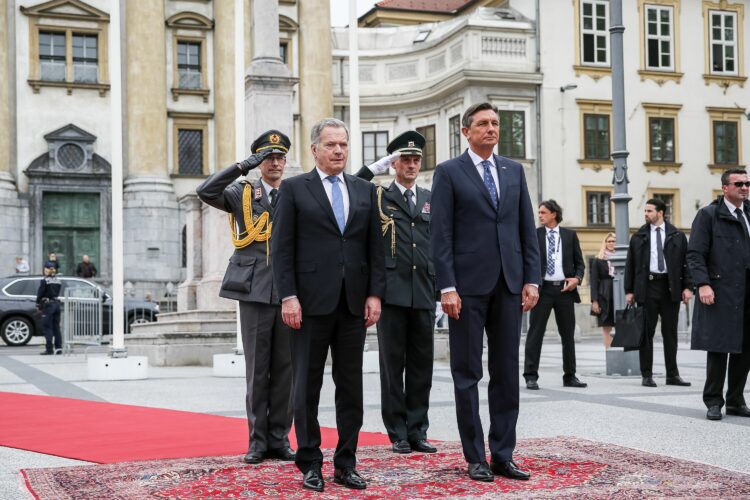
(19,320)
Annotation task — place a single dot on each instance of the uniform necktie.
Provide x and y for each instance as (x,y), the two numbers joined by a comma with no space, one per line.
(337,202)
(550,253)
(659,251)
(274,196)
(741,218)
(409,201)
(489,182)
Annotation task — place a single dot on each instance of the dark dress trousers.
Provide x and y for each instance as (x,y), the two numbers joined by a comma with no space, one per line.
(602,291)
(406,326)
(660,294)
(488,253)
(265,337)
(719,256)
(48,300)
(551,297)
(331,274)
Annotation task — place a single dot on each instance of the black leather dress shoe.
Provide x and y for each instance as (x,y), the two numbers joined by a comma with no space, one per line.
(422,446)
(313,480)
(648,382)
(286,454)
(509,469)
(532,385)
(254,457)
(46,353)
(481,472)
(401,446)
(574,382)
(677,381)
(349,478)
(740,411)
(714,412)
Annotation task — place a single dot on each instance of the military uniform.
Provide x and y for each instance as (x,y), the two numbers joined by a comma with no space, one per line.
(405,329)
(248,279)
(48,301)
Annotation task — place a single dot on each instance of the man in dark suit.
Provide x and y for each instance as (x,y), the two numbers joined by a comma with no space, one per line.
(719,261)
(248,279)
(405,329)
(657,278)
(486,258)
(330,272)
(562,271)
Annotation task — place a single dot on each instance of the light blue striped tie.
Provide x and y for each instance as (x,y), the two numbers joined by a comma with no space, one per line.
(337,201)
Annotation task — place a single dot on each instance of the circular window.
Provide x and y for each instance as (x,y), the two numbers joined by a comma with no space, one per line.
(71,156)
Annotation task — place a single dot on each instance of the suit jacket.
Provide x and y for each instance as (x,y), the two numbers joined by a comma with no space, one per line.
(573,265)
(248,276)
(409,273)
(639,259)
(472,241)
(313,260)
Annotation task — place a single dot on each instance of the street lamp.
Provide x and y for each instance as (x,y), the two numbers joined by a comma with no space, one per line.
(570,86)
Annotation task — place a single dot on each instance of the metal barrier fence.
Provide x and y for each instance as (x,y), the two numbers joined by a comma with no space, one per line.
(83,317)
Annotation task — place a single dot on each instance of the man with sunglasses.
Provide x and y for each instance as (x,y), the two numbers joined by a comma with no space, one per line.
(719,260)
(249,279)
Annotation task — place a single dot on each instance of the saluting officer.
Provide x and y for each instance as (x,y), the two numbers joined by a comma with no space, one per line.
(248,279)
(405,329)
(48,301)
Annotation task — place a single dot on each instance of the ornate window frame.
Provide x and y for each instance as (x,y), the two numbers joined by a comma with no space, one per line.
(724,80)
(189,121)
(660,110)
(725,115)
(184,26)
(585,190)
(68,17)
(581,68)
(597,107)
(660,76)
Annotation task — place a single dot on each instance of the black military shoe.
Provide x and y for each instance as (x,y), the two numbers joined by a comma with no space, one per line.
(46,353)
(532,385)
(648,382)
(349,478)
(677,381)
(401,446)
(422,446)
(313,480)
(509,469)
(714,412)
(254,457)
(481,472)
(574,382)
(740,411)
(286,454)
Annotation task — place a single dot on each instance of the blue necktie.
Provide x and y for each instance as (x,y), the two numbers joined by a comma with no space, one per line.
(489,182)
(550,253)
(337,201)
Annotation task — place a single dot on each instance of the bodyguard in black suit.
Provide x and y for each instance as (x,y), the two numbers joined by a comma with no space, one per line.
(405,329)
(486,258)
(248,279)
(330,273)
(656,276)
(562,269)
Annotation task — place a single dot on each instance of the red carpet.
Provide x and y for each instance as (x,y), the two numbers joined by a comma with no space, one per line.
(560,467)
(107,432)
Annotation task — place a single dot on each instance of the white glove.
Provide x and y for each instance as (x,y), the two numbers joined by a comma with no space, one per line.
(382,165)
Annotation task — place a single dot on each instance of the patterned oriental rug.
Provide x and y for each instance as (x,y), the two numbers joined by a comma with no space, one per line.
(561,467)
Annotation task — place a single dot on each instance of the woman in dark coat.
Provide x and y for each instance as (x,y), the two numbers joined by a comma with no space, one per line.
(600,276)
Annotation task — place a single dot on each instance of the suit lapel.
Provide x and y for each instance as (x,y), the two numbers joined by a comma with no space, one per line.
(541,234)
(315,185)
(354,196)
(471,172)
(502,189)
(394,195)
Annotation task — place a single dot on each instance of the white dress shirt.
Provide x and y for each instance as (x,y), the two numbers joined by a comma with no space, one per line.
(732,208)
(329,190)
(267,188)
(403,190)
(653,265)
(480,169)
(558,275)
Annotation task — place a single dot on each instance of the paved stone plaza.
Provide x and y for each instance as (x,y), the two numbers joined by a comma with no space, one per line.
(666,420)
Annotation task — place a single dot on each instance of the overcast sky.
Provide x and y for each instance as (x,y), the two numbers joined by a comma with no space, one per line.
(340,10)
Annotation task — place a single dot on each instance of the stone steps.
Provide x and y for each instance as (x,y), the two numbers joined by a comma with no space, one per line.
(187,326)
(199,315)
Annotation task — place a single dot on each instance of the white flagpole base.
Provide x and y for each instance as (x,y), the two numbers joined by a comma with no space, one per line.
(108,368)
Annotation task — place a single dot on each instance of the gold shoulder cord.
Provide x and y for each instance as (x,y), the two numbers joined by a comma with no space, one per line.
(254,231)
(387,222)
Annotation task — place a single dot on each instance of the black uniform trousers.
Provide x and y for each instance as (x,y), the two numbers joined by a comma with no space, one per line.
(405,348)
(344,333)
(551,297)
(659,304)
(739,366)
(51,325)
(268,372)
(499,313)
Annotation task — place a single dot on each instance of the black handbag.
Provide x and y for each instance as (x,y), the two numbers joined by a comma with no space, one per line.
(630,324)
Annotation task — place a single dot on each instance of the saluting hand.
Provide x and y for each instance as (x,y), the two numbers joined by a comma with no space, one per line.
(529,297)
(372,311)
(253,161)
(451,304)
(382,165)
(291,313)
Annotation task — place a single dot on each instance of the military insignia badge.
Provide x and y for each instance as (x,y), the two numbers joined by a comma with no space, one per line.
(258,194)
(274,138)
(411,144)
(426,208)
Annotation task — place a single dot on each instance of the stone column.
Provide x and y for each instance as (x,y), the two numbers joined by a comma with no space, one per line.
(186,293)
(150,210)
(7,182)
(315,63)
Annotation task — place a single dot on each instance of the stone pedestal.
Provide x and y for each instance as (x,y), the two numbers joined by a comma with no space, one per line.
(106,368)
(14,223)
